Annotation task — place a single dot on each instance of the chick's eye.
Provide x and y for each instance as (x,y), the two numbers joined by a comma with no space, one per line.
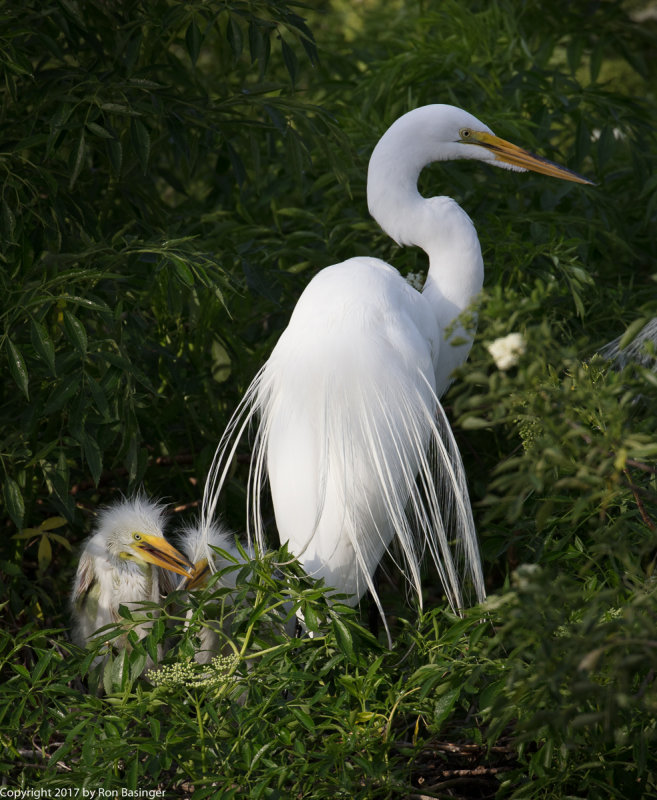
(136,537)
(464,133)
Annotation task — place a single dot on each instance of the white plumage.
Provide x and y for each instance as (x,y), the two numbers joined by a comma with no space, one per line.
(126,561)
(200,545)
(641,350)
(351,435)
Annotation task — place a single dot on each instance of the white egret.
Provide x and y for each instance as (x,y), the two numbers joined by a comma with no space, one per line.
(200,545)
(126,561)
(194,540)
(351,435)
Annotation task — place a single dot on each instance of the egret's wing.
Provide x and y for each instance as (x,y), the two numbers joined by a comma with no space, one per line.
(85,580)
(85,599)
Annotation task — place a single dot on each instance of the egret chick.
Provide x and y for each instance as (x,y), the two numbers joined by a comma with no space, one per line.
(126,561)
(200,545)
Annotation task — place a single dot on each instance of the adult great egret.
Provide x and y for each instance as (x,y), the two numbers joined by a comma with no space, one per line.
(352,435)
(126,561)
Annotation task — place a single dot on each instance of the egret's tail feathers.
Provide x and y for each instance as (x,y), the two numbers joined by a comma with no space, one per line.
(221,464)
(356,466)
(420,482)
(641,350)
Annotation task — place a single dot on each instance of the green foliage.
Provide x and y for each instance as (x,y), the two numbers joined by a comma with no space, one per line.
(172,174)
(127,134)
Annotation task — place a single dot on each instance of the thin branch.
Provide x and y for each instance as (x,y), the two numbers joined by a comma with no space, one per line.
(639,504)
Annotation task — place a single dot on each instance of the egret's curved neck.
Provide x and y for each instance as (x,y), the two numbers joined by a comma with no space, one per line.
(438,225)
(392,194)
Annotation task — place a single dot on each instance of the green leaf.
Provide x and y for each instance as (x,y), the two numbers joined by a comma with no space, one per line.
(18,368)
(141,142)
(632,331)
(43,344)
(305,719)
(193,40)
(61,540)
(52,523)
(61,395)
(57,123)
(183,272)
(100,400)
(120,108)
(343,637)
(94,127)
(137,663)
(44,555)
(443,707)
(234,36)
(290,60)
(76,333)
(8,220)
(119,672)
(79,158)
(21,670)
(115,154)
(13,498)
(93,457)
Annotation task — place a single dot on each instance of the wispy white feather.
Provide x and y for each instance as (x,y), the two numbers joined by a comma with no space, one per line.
(641,350)
(358,452)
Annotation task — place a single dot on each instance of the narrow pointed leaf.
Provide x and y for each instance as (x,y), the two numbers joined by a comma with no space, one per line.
(79,158)
(13,498)
(141,141)
(193,41)
(18,368)
(43,344)
(76,333)
(93,457)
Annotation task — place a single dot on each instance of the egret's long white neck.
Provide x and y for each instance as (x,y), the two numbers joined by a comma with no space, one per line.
(438,225)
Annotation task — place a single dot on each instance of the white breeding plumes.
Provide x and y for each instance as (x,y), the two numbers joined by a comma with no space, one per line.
(351,435)
(641,350)
(507,350)
(126,561)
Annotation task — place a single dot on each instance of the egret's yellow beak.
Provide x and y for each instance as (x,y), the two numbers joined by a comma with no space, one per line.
(199,574)
(156,550)
(512,154)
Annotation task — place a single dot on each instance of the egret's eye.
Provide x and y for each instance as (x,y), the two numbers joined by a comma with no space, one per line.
(465,133)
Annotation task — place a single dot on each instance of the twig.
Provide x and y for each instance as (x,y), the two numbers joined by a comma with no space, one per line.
(640,465)
(639,504)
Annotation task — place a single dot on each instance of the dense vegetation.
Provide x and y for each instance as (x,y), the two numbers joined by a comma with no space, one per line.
(172,176)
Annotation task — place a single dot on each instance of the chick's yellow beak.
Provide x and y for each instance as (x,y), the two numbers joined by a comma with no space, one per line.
(199,575)
(516,156)
(156,550)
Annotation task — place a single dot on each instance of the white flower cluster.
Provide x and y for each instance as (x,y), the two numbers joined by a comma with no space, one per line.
(507,350)
(190,674)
